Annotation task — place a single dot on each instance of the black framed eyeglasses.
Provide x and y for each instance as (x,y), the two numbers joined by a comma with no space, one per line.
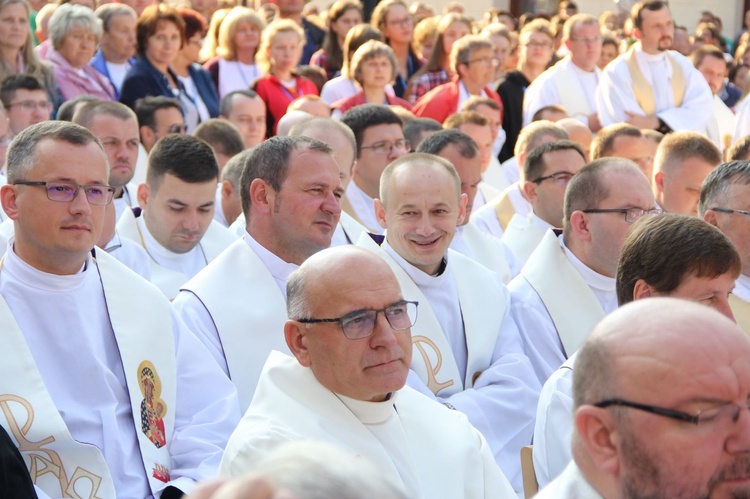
(724,412)
(558,177)
(631,214)
(383,148)
(727,210)
(361,323)
(65,192)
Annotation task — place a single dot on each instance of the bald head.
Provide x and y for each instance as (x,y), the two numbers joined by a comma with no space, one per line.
(337,135)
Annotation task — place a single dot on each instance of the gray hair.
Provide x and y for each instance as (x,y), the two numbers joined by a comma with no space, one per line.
(326,125)
(463,47)
(531,136)
(68,16)
(22,156)
(716,186)
(109,11)
(297,302)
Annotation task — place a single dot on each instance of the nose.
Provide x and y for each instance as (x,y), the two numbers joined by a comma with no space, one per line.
(383,334)
(190,222)
(424,226)
(80,205)
(332,205)
(723,307)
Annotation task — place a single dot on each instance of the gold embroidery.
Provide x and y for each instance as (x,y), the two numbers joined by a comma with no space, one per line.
(153,407)
(43,461)
(432,382)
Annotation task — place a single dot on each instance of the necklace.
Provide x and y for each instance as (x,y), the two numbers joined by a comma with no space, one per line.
(241,71)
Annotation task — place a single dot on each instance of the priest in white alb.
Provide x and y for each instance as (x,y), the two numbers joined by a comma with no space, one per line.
(176,225)
(237,305)
(349,334)
(568,283)
(468,354)
(107,393)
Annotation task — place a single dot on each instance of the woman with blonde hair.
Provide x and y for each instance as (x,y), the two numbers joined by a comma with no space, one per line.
(393,19)
(235,66)
(208,49)
(279,54)
(17,55)
(342,16)
(373,67)
(437,69)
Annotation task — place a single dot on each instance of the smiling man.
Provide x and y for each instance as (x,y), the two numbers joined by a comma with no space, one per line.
(470,354)
(176,226)
(349,333)
(290,188)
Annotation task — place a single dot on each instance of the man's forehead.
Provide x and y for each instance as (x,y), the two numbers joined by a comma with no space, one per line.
(248,104)
(171,114)
(377,133)
(25,94)
(172,188)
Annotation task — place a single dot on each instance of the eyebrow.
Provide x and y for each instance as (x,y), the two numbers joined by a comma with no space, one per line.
(182,203)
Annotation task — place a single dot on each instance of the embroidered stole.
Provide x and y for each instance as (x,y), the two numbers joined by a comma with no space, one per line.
(644,93)
(572,96)
(570,302)
(504,210)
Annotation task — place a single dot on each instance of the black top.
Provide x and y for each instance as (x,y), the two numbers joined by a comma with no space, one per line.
(15,482)
(511,90)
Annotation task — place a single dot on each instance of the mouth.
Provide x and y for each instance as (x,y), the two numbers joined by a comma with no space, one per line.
(77,228)
(426,244)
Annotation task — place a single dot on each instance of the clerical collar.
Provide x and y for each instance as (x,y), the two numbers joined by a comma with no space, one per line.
(540,224)
(279,269)
(164,256)
(658,57)
(593,279)
(19,270)
(420,277)
(370,412)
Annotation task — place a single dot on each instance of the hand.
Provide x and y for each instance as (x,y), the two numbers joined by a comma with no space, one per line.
(650,122)
(247,487)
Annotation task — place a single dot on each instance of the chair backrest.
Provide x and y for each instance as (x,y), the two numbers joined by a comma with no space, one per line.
(530,485)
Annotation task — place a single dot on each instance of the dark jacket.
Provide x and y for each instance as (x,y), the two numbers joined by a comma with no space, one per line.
(313,40)
(100,64)
(144,80)
(206,89)
(511,90)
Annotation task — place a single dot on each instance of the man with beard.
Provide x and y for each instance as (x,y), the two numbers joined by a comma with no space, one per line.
(650,86)
(660,390)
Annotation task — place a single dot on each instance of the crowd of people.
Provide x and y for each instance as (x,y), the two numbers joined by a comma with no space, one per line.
(206,207)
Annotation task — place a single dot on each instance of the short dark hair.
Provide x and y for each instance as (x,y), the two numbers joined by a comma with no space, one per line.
(740,150)
(535,165)
(360,118)
(17,82)
(650,253)
(146,107)
(604,139)
(716,186)
(68,108)
(86,114)
(678,147)
(187,158)
(149,20)
(636,13)
(415,128)
(221,135)
(539,114)
(707,51)
(438,141)
(225,107)
(269,161)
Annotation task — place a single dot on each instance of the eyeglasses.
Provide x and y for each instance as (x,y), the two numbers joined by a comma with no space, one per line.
(387,147)
(587,41)
(361,323)
(722,413)
(30,105)
(171,128)
(407,21)
(561,178)
(538,45)
(727,210)
(631,214)
(487,61)
(65,192)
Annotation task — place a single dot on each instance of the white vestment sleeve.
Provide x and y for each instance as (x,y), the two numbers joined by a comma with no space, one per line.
(206,414)
(554,426)
(613,97)
(541,342)
(743,120)
(697,107)
(196,317)
(541,93)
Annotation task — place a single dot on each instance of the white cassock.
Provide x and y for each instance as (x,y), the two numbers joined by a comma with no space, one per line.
(524,234)
(237,308)
(511,170)
(564,84)
(554,424)
(88,346)
(219,209)
(171,270)
(141,166)
(361,207)
(495,216)
(556,301)
(485,192)
(484,249)
(467,351)
(743,120)
(661,76)
(494,175)
(129,199)
(722,125)
(348,231)
(569,485)
(130,254)
(430,450)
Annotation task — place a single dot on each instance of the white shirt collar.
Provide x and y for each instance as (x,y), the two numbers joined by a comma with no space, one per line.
(370,412)
(280,270)
(420,278)
(593,279)
(540,224)
(35,278)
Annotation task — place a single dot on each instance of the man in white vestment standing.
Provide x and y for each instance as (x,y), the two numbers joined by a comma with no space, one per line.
(290,189)
(349,333)
(650,86)
(661,394)
(571,82)
(380,140)
(176,225)
(683,161)
(548,169)
(470,354)
(568,283)
(494,217)
(109,393)
(650,265)
(463,153)
(341,139)
(725,203)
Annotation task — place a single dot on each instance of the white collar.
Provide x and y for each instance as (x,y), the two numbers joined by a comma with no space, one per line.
(593,279)
(35,278)
(279,269)
(540,224)
(421,278)
(370,412)
(164,256)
